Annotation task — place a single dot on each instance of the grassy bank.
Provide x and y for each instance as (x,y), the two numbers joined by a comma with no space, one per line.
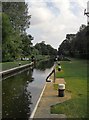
(9,65)
(75,75)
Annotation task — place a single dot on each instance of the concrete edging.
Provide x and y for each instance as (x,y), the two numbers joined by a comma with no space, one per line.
(15,68)
(34,111)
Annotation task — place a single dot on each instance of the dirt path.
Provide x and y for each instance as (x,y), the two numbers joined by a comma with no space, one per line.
(49,98)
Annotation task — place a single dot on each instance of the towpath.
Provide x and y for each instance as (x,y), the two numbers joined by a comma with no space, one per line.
(49,98)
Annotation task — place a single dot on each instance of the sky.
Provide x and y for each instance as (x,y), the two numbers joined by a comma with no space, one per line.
(51,20)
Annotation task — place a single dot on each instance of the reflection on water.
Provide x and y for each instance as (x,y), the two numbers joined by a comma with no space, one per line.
(42,65)
(21,92)
(15,96)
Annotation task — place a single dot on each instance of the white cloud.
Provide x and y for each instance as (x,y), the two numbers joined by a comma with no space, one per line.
(39,13)
(52,21)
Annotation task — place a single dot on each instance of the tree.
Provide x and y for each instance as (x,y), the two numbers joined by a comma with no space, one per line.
(45,49)
(82,27)
(26,44)
(10,42)
(18,14)
(76,45)
(15,41)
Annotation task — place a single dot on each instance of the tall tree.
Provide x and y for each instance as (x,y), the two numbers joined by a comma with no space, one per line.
(10,43)
(26,44)
(15,20)
(18,14)
(78,45)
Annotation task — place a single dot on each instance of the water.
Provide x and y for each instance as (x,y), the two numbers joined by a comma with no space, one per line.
(21,91)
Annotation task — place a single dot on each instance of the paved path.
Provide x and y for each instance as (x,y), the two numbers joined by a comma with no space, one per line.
(49,98)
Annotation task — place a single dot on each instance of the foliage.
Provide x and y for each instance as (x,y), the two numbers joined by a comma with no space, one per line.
(44,64)
(11,40)
(45,49)
(15,42)
(18,14)
(26,44)
(76,45)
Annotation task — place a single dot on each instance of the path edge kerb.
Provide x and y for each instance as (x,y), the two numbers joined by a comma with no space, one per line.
(36,106)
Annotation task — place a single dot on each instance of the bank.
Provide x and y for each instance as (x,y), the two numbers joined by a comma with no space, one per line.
(75,74)
(74,103)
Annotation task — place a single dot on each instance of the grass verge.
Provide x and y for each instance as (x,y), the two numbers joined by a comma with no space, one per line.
(9,65)
(75,75)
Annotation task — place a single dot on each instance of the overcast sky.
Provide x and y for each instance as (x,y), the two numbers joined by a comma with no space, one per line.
(51,20)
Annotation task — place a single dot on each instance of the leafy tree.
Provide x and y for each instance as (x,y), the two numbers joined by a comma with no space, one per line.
(15,41)
(11,40)
(18,14)
(26,44)
(45,49)
(76,46)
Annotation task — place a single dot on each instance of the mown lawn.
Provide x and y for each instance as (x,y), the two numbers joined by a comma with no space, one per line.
(75,75)
(9,65)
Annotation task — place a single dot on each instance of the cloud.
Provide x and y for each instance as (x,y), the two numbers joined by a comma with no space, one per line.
(51,21)
(40,15)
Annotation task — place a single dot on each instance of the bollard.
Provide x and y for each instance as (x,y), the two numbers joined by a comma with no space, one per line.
(59,68)
(19,64)
(61,89)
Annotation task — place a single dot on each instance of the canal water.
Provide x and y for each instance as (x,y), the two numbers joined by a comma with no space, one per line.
(21,91)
